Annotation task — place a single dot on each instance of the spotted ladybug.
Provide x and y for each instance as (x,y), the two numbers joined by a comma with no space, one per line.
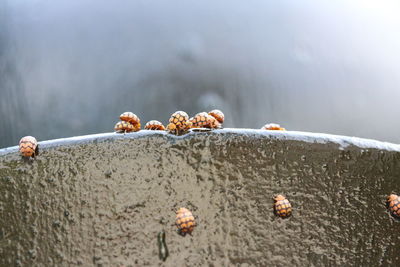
(282,206)
(28,147)
(131,118)
(179,118)
(273,126)
(185,221)
(125,127)
(216,113)
(213,123)
(200,120)
(154,125)
(204,120)
(393,204)
(179,123)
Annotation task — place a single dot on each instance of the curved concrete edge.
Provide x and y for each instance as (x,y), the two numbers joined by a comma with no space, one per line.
(320,138)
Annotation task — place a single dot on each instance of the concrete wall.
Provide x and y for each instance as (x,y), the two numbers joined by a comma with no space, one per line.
(102,199)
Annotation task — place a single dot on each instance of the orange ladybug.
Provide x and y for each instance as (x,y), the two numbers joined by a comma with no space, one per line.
(185,221)
(179,123)
(154,125)
(393,204)
(28,147)
(125,127)
(273,126)
(200,120)
(180,119)
(204,120)
(213,123)
(282,206)
(216,113)
(130,117)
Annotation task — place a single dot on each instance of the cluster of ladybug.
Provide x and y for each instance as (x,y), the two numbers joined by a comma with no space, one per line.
(129,123)
(179,122)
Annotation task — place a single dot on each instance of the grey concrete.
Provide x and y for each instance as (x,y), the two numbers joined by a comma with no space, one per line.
(101,200)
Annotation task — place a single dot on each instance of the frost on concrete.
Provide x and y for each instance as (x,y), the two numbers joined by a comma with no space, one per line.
(320,138)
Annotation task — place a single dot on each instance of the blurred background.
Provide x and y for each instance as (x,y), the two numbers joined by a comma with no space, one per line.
(72,67)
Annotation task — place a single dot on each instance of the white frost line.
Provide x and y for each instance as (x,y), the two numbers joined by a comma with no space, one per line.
(321,138)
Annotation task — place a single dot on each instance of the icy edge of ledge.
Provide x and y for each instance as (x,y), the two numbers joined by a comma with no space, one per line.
(321,138)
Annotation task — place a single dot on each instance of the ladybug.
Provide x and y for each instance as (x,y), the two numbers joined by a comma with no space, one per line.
(179,123)
(185,221)
(273,126)
(28,147)
(204,120)
(216,113)
(393,204)
(130,117)
(180,119)
(125,127)
(200,120)
(213,123)
(154,125)
(282,206)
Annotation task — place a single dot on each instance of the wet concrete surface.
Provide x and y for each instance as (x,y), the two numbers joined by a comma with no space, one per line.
(101,200)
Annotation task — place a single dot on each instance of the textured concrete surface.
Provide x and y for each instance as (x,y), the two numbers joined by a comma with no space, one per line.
(101,200)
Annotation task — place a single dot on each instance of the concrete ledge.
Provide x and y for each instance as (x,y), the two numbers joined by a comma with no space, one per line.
(322,138)
(101,200)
